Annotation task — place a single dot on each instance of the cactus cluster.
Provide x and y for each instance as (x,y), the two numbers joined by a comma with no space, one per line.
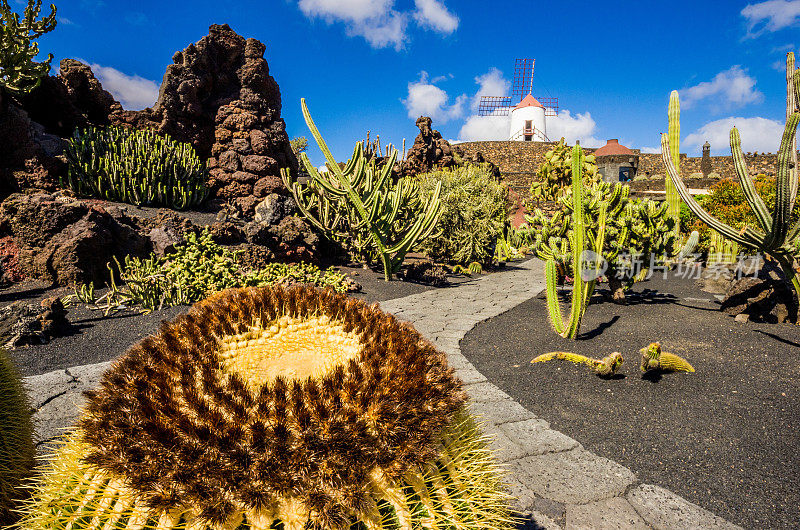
(359,206)
(275,408)
(776,234)
(197,268)
(555,174)
(16,444)
(139,167)
(633,229)
(19,73)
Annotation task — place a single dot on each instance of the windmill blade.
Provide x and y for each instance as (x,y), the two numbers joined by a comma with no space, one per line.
(494,106)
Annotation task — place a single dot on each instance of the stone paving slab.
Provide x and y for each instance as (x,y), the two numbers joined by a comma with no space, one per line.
(556,482)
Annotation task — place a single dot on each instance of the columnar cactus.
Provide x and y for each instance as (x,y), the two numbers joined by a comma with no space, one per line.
(605,367)
(582,290)
(776,236)
(655,359)
(275,408)
(139,167)
(555,174)
(16,445)
(360,197)
(674,134)
(19,74)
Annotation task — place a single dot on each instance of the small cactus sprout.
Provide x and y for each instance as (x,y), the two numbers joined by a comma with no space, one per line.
(16,445)
(655,359)
(275,407)
(605,367)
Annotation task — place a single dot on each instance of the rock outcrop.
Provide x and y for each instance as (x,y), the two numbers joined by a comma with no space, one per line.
(218,95)
(66,241)
(767,297)
(430,151)
(22,324)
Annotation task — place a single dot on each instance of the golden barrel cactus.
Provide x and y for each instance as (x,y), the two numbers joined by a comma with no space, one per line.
(275,408)
(16,437)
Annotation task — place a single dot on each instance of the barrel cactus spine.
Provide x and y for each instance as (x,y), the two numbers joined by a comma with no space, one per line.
(16,444)
(268,407)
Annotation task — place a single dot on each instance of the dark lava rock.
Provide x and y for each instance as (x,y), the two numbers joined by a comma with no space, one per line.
(22,323)
(430,150)
(66,241)
(427,273)
(765,298)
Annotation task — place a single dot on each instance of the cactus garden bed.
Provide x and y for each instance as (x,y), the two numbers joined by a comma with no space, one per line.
(724,437)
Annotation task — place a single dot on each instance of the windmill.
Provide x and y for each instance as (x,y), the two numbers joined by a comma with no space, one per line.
(527,112)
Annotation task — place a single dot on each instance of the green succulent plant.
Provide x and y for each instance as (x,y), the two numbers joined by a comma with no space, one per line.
(474,212)
(776,234)
(16,443)
(555,174)
(633,229)
(359,206)
(19,73)
(139,167)
(275,408)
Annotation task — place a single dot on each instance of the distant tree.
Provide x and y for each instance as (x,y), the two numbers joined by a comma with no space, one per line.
(299,145)
(19,73)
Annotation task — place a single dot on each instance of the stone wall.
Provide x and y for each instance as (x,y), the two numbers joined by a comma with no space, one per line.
(520,161)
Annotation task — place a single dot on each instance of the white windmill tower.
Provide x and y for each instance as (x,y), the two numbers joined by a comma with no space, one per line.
(528,114)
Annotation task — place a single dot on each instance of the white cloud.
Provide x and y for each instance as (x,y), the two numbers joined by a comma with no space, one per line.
(651,150)
(377,21)
(132,91)
(758,134)
(478,128)
(730,88)
(434,15)
(65,21)
(426,99)
(770,16)
(580,127)
(492,83)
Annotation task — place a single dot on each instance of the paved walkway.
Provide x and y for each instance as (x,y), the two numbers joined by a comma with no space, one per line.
(557,482)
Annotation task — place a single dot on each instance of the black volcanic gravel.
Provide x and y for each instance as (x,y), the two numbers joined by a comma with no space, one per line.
(725,437)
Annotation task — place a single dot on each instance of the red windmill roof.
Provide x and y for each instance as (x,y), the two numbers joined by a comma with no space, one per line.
(613,147)
(528,101)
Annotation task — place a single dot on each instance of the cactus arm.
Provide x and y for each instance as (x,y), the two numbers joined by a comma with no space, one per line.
(689,246)
(332,165)
(753,198)
(748,237)
(792,100)
(783,185)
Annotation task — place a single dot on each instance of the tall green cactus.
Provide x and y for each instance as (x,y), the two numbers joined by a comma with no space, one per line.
(374,204)
(674,133)
(582,290)
(135,166)
(775,236)
(19,73)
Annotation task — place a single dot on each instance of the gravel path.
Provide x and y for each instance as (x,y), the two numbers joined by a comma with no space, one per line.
(557,481)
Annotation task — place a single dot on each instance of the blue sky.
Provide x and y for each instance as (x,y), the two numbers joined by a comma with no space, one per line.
(378,64)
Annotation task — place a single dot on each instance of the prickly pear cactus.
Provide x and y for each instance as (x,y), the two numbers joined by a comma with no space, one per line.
(16,445)
(275,407)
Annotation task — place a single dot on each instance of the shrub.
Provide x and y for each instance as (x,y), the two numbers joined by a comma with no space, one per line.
(200,267)
(474,210)
(555,174)
(139,167)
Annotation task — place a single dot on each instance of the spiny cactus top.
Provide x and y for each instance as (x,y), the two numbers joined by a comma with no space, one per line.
(265,406)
